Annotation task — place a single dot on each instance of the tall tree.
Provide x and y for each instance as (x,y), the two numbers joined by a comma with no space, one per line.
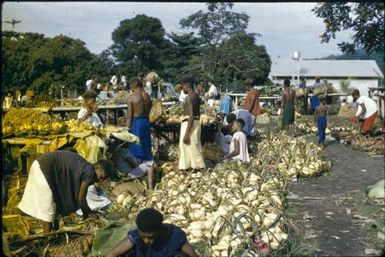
(181,49)
(217,24)
(32,61)
(138,45)
(365,19)
(229,54)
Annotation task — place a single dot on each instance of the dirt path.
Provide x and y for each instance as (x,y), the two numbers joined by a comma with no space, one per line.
(331,214)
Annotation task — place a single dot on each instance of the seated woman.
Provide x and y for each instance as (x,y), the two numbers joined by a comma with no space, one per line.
(88,112)
(238,147)
(153,238)
(118,152)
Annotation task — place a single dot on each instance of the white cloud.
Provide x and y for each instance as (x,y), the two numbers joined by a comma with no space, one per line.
(285,27)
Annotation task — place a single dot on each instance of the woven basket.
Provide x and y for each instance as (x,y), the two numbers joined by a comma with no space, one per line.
(15,225)
(299,92)
(80,246)
(211,152)
(156,111)
(319,90)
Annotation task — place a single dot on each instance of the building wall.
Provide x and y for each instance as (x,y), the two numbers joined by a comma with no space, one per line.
(361,84)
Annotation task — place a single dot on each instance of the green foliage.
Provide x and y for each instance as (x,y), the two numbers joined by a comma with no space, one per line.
(45,65)
(229,55)
(366,20)
(180,50)
(217,24)
(138,45)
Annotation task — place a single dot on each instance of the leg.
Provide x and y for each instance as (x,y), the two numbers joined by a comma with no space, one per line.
(150,177)
(46,226)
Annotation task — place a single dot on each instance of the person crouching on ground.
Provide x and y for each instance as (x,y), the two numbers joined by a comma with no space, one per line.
(153,238)
(118,152)
(238,146)
(366,111)
(320,114)
(57,184)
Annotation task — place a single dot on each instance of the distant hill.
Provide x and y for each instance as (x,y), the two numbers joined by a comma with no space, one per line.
(359,55)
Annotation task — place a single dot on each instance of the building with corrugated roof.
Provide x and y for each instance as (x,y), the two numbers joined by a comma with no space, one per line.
(362,74)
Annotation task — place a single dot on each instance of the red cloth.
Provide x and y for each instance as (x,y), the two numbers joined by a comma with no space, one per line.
(247,104)
(368,123)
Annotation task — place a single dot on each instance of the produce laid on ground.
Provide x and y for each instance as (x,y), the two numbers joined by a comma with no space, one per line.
(346,132)
(230,210)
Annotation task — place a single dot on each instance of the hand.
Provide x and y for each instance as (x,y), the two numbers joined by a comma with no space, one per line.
(353,119)
(186,140)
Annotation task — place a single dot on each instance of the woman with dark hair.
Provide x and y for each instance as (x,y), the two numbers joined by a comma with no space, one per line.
(88,112)
(153,238)
(57,184)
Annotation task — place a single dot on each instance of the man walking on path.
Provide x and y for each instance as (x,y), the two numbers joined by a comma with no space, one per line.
(366,111)
(138,107)
(288,101)
(190,131)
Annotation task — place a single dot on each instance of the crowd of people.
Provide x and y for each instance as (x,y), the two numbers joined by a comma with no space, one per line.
(47,193)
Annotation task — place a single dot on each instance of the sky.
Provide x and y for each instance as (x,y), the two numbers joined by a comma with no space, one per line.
(285,27)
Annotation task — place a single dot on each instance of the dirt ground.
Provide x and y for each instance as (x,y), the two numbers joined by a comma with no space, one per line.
(331,214)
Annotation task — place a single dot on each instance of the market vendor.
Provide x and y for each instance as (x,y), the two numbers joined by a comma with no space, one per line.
(288,101)
(118,152)
(251,102)
(57,183)
(138,108)
(212,94)
(153,238)
(179,93)
(88,112)
(190,131)
(366,111)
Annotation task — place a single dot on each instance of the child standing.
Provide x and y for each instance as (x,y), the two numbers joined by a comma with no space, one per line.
(320,114)
(238,146)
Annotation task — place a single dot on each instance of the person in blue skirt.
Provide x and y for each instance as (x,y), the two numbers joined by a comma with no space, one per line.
(138,108)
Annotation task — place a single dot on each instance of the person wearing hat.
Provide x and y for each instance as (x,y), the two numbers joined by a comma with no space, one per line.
(366,111)
(153,238)
(88,112)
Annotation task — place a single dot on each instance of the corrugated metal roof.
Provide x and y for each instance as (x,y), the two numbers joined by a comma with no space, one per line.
(326,68)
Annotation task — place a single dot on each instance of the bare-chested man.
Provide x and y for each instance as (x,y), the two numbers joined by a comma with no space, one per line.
(288,101)
(320,117)
(190,131)
(138,108)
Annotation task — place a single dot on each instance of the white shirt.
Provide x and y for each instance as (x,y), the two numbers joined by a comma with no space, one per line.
(94,201)
(213,91)
(89,84)
(243,151)
(93,120)
(370,106)
(182,96)
(148,88)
